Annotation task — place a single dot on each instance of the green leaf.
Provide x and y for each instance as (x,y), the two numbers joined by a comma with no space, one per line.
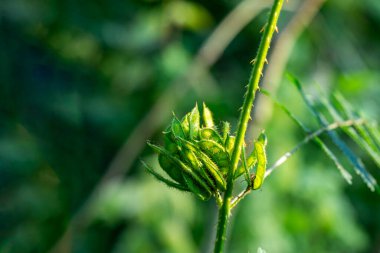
(345,174)
(169,143)
(225,131)
(210,134)
(186,170)
(191,155)
(185,123)
(355,161)
(201,192)
(217,153)
(213,170)
(230,143)
(286,110)
(374,133)
(260,146)
(207,117)
(363,141)
(209,165)
(176,128)
(164,180)
(170,168)
(362,129)
(194,123)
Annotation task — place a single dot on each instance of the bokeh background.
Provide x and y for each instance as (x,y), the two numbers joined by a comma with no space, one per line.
(84,84)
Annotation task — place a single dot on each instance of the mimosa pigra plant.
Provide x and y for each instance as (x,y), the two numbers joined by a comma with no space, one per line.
(204,160)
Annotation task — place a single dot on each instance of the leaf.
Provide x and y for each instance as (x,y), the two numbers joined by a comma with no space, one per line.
(169,143)
(194,123)
(185,123)
(225,131)
(355,161)
(260,146)
(187,171)
(207,117)
(213,171)
(170,168)
(362,129)
(176,128)
(209,165)
(197,164)
(374,133)
(210,134)
(217,153)
(364,142)
(211,147)
(200,192)
(164,180)
(230,143)
(285,109)
(189,156)
(346,175)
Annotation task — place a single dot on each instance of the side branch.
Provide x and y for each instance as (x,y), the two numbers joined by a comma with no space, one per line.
(310,137)
(285,157)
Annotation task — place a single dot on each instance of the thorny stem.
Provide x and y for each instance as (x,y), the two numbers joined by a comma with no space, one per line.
(306,140)
(253,86)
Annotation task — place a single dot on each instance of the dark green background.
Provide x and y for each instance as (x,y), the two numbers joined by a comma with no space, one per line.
(76,77)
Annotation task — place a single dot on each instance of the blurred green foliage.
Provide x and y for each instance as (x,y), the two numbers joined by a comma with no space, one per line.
(77,77)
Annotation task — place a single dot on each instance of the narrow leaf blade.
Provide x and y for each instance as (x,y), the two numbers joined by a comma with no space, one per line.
(163,179)
(355,161)
(345,174)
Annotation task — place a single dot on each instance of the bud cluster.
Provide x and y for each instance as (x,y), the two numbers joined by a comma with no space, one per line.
(197,157)
(195,154)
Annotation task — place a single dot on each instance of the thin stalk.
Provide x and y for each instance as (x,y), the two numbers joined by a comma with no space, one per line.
(307,139)
(310,137)
(253,86)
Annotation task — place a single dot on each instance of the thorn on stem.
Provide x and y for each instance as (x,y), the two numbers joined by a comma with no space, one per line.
(276,28)
(262,29)
(266,61)
(253,61)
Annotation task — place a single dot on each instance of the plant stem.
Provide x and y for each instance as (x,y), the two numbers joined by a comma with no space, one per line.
(313,136)
(253,86)
(307,139)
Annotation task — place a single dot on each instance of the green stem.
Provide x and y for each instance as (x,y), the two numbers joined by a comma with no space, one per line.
(253,86)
